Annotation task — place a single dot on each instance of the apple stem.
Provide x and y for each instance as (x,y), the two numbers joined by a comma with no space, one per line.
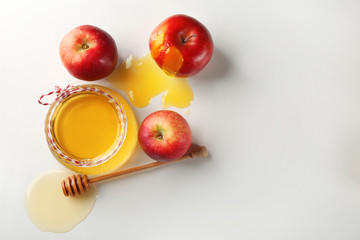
(85,46)
(188,38)
(159,135)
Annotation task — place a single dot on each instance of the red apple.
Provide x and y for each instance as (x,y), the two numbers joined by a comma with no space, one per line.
(164,136)
(88,53)
(181,46)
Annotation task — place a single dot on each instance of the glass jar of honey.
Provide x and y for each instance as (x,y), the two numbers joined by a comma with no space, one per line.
(91,129)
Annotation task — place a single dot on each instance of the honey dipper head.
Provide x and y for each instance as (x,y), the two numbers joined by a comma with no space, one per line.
(75,185)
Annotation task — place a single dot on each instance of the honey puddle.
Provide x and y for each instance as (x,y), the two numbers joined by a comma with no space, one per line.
(142,79)
(49,209)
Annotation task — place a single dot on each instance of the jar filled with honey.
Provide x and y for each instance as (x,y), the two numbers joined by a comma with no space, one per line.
(91,129)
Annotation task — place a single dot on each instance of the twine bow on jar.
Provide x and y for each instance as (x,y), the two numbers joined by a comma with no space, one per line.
(58,91)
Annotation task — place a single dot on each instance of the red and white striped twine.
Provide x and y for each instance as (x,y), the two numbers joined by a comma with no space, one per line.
(58,90)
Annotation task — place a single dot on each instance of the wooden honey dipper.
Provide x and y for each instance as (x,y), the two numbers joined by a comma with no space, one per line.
(79,184)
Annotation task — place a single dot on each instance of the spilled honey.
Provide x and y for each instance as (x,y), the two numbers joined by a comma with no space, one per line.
(142,79)
(49,209)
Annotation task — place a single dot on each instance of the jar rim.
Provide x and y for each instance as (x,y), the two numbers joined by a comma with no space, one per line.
(77,161)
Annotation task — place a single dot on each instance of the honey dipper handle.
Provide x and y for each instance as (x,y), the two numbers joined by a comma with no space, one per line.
(197,152)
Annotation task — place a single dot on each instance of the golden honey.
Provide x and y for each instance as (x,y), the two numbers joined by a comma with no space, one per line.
(142,79)
(49,209)
(91,129)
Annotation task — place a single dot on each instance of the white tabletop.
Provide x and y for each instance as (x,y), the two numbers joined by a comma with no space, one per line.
(277,107)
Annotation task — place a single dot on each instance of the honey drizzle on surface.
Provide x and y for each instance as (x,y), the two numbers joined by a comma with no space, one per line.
(49,209)
(142,79)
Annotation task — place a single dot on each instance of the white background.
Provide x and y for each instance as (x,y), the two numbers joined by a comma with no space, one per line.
(277,107)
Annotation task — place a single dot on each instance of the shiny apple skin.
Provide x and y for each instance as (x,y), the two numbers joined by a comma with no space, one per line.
(175,135)
(190,37)
(97,61)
